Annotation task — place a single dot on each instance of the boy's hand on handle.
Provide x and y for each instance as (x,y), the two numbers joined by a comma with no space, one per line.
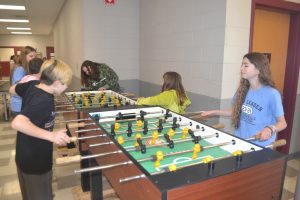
(60,137)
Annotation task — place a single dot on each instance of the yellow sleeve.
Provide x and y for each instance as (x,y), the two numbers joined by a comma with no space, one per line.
(162,99)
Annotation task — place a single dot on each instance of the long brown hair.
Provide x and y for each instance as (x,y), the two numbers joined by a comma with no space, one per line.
(25,51)
(172,80)
(94,74)
(261,62)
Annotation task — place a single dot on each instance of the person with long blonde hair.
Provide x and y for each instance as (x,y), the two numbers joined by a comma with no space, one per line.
(256,106)
(172,96)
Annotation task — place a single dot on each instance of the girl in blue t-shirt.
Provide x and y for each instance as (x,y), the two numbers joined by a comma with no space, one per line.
(256,106)
(19,70)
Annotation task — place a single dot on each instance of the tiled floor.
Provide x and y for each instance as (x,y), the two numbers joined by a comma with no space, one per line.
(65,180)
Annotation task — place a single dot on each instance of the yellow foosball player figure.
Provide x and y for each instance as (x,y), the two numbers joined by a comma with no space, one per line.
(139,124)
(116,127)
(196,150)
(185,131)
(121,140)
(172,168)
(171,133)
(159,157)
(154,138)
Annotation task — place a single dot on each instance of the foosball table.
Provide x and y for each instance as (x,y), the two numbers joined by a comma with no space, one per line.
(153,153)
(73,106)
(88,101)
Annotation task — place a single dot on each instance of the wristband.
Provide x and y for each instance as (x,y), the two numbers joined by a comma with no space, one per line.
(273,131)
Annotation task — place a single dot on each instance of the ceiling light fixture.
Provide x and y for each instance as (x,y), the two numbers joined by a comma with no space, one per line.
(15,20)
(12,7)
(26,33)
(18,28)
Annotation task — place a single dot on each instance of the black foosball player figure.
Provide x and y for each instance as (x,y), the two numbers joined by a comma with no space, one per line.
(160,126)
(170,142)
(112,130)
(145,128)
(129,129)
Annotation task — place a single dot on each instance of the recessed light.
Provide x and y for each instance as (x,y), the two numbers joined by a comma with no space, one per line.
(15,20)
(12,7)
(26,33)
(18,28)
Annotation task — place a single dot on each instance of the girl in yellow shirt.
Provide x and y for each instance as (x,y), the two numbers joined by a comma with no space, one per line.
(172,96)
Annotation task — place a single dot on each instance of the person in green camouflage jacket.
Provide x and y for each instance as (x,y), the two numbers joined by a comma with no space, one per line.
(96,76)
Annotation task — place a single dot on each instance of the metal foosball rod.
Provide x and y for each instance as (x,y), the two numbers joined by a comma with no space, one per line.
(97,106)
(65,105)
(141,160)
(125,94)
(196,115)
(75,120)
(65,111)
(62,101)
(72,124)
(255,137)
(128,94)
(138,122)
(80,124)
(137,148)
(83,124)
(97,100)
(75,139)
(190,131)
(88,130)
(277,143)
(90,169)
(153,129)
(141,113)
(202,148)
(160,135)
(133,119)
(77,158)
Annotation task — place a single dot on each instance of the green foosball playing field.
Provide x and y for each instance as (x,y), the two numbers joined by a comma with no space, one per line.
(98,99)
(157,156)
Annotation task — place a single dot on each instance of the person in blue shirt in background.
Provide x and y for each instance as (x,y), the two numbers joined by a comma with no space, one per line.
(17,73)
(257,109)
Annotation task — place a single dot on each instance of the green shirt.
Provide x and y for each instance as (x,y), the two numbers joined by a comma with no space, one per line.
(167,99)
(111,79)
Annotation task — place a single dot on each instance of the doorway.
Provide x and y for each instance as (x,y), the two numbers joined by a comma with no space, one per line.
(278,35)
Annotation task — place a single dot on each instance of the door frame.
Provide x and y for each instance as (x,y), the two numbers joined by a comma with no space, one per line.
(292,63)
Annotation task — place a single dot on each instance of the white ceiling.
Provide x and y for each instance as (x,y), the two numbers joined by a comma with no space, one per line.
(40,13)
